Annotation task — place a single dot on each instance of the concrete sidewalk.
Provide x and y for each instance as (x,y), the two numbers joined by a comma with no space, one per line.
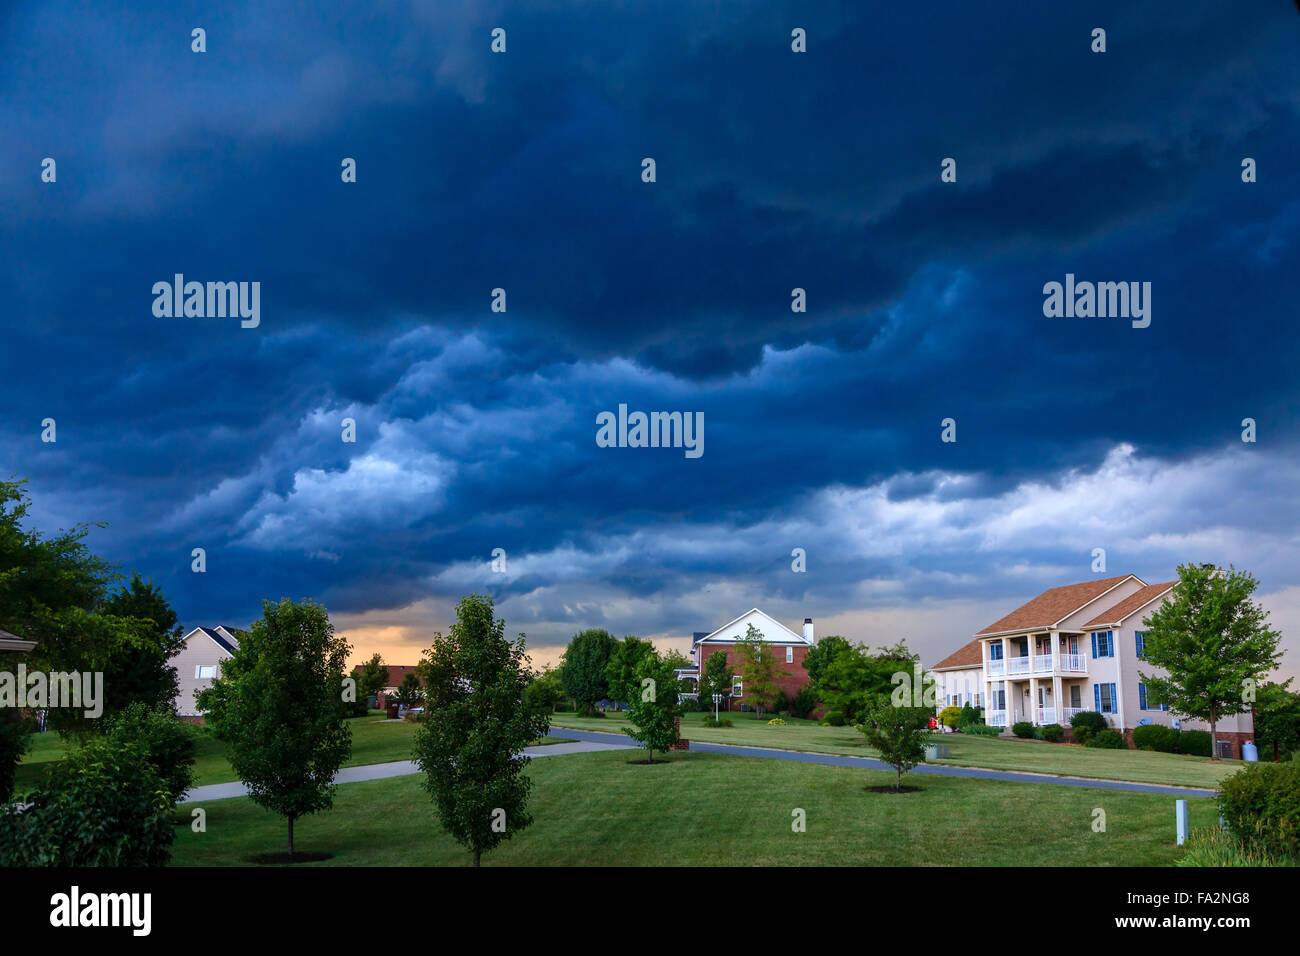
(404,768)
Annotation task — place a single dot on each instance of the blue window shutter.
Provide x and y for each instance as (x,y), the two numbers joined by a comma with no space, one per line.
(1114,700)
(1094,645)
(1096,696)
(1142,696)
(1110,643)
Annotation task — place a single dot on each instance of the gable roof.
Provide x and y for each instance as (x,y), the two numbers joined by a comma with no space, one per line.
(1131,604)
(774,632)
(12,642)
(969,655)
(396,672)
(219,635)
(1055,605)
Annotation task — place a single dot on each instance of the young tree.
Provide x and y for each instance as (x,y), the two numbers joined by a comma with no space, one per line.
(409,692)
(757,669)
(165,740)
(470,740)
(545,691)
(583,668)
(897,733)
(624,668)
(279,703)
(371,677)
(1211,643)
(1277,718)
(715,678)
(653,707)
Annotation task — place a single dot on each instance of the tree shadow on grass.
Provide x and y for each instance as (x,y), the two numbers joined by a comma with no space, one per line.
(273,858)
(889,788)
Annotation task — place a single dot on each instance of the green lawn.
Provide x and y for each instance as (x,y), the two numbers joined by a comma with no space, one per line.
(374,740)
(993,753)
(701,809)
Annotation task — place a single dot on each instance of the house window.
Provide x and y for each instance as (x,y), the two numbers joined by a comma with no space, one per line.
(999,700)
(1145,702)
(1105,698)
(979,700)
(737,686)
(789,655)
(1076,698)
(1140,639)
(205,672)
(995,651)
(1103,644)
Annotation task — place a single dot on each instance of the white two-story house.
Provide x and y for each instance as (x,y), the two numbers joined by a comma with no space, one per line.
(1076,647)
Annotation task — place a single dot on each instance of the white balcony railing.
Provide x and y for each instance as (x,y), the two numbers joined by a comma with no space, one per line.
(1018,665)
(995,718)
(995,668)
(1068,712)
(1047,715)
(1043,664)
(1073,663)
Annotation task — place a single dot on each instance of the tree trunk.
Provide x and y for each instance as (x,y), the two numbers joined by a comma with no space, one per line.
(1277,757)
(1214,744)
(651,751)
(478,855)
(899,785)
(291,836)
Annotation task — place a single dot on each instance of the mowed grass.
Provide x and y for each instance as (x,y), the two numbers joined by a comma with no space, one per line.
(968,750)
(700,809)
(374,740)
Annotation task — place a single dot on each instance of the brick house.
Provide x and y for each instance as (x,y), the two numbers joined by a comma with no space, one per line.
(396,674)
(790,649)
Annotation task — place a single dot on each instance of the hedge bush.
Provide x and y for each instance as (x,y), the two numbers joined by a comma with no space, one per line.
(981,730)
(720,722)
(167,741)
(1155,737)
(950,716)
(1195,742)
(1089,720)
(1051,732)
(834,718)
(804,702)
(776,722)
(1261,806)
(1023,729)
(1106,740)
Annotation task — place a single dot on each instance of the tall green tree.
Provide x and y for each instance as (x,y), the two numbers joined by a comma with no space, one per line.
(1212,644)
(622,673)
(409,692)
(1277,719)
(139,671)
(545,691)
(853,680)
(653,707)
(757,661)
(475,726)
(897,733)
(279,704)
(583,667)
(821,655)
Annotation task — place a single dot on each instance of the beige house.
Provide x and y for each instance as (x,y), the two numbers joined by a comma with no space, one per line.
(199,663)
(1072,648)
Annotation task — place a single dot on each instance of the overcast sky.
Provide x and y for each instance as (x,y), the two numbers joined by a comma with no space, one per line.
(775,170)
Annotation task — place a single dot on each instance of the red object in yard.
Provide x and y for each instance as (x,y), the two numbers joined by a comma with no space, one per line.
(392,711)
(934,723)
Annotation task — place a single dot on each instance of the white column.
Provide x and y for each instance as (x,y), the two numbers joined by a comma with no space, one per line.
(1056,700)
(1033,700)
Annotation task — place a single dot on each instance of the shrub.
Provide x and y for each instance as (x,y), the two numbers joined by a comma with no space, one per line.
(101,805)
(720,722)
(834,719)
(1106,740)
(690,705)
(1089,721)
(982,730)
(13,744)
(950,716)
(167,741)
(1261,806)
(781,703)
(1213,847)
(804,702)
(1195,742)
(776,722)
(1155,737)
(1023,729)
(1051,732)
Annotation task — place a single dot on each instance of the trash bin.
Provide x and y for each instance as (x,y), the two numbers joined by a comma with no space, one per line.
(1248,751)
(392,711)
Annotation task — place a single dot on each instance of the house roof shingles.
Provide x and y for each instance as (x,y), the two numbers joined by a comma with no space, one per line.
(971,655)
(1130,604)
(1053,605)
